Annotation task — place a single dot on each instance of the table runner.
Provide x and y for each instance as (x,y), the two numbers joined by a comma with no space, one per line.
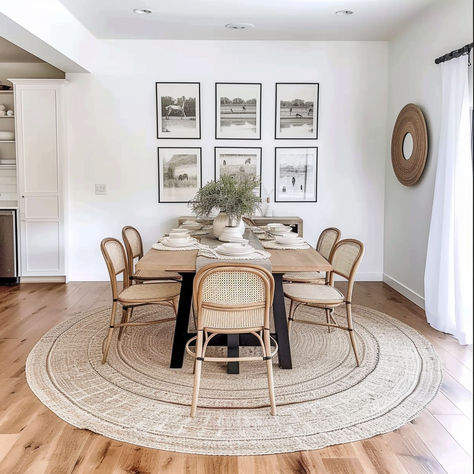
(202,261)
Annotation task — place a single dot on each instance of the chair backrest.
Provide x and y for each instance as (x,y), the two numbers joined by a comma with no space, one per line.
(116,261)
(345,259)
(133,245)
(233,296)
(327,239)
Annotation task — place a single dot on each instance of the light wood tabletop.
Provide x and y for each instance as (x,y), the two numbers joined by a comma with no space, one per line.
(307,260)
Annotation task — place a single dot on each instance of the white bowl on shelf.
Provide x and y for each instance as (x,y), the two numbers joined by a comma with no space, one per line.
(6,135)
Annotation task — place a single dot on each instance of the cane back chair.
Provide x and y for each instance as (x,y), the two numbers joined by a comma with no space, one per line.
(134,247)
(131,295)
(326,242)
(345,259)
(232,299)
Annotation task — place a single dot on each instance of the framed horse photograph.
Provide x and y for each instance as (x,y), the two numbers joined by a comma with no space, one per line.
(178,110)
(237,162)
(296,111)
(179,173)
(238,111)
(296,174)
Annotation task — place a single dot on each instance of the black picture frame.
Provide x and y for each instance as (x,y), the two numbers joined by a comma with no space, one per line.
(315,111)
(160,193)
(158,112)
(315,174)
(241,148)
(257,110)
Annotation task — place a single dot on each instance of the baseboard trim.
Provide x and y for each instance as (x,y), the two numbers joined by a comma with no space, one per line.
(404,290)
(43,279)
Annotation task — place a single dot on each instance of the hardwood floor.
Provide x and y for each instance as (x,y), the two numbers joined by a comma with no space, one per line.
(34,440)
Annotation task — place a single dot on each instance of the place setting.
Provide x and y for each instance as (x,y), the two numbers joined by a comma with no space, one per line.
(177,239)
(234,251)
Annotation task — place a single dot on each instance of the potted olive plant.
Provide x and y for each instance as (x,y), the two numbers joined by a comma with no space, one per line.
(233,197)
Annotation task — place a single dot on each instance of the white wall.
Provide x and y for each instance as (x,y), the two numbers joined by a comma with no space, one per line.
(112,137)
(414,77)
(26,70)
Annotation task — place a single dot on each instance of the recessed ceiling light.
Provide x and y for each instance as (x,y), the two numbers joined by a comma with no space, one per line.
(239,26)
(344,12)
(142,11)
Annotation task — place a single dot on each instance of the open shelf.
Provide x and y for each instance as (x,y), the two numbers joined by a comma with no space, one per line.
(6,92)
(7,116)
(7,141)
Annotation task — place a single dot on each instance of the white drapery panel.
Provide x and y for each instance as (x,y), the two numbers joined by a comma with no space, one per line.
(448,273)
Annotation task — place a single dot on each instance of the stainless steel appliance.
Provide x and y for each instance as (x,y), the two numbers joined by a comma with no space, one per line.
(8,247)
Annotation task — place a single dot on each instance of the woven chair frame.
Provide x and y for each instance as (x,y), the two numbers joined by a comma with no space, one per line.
(329,307)
(127,305)
(205,334)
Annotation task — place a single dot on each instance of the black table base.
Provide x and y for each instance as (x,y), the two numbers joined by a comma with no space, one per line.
(181,334)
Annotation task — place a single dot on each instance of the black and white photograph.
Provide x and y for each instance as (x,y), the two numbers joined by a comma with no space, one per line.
(238,111)
(237,162)
(178,110)
(179,173)
(296,111)
(296,174)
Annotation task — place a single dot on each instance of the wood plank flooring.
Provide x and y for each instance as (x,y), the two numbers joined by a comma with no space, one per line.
(34,440)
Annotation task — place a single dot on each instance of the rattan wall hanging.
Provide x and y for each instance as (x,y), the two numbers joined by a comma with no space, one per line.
(410,121)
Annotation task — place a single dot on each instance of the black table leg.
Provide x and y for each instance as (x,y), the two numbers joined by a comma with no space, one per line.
(281,325)
(232,351)
(181,335)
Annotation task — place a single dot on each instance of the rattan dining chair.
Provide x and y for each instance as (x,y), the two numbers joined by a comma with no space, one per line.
(326,242)
(345,259)
(131,295)
(134,247)
(232,299)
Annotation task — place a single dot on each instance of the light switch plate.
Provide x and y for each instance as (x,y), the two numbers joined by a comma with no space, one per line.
(100,189)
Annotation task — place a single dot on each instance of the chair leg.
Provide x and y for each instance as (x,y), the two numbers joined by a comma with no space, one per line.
(126,315)
(271,389)
(197,372)
(290,314)
(108,338)
(328,320)
(351,332)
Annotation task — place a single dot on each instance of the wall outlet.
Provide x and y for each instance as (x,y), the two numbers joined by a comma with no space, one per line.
(101,189)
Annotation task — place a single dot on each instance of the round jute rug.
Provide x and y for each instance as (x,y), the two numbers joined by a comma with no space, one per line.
(325,399)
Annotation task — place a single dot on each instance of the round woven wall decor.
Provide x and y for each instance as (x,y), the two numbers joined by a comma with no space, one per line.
(411,121)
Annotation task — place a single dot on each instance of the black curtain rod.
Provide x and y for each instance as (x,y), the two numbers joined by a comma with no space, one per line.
(455,54)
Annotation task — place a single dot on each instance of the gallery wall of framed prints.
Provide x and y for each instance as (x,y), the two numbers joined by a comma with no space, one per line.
(238,116)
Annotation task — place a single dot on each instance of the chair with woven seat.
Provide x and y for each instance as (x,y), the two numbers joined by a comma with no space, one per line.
(134,247)
(131,296)
(232,299)
(345,259)
(326,242)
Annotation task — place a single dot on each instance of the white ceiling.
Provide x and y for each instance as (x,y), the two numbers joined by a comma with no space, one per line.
(273,19)
(10,53)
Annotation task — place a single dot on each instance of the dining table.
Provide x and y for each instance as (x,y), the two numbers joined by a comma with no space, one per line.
(184,263)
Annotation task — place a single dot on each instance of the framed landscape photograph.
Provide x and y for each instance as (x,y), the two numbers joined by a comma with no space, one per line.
(179,173)
(237,162)
(178,110)
(238,111)
(296,111)
(296,174)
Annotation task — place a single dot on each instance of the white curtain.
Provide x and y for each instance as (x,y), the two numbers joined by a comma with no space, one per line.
(448,273)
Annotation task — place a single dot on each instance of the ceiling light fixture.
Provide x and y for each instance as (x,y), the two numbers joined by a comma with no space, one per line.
(344,12)
(239,26)
(142,11)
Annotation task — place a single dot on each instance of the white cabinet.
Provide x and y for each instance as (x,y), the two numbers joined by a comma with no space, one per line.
(40,150)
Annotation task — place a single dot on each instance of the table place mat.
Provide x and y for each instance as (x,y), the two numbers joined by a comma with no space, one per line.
(273,244)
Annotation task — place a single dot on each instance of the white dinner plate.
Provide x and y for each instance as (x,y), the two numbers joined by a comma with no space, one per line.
(231,250)
(177,243)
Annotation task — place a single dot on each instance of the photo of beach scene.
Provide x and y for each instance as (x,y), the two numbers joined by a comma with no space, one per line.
(178,110)
(296,174)
(238,162)
(238,111)
(179,173)
(297,111)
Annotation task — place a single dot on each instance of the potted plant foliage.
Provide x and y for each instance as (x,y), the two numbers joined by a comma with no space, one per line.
(233,197)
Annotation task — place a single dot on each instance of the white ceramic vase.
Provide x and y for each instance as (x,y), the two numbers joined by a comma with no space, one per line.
(221,222)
